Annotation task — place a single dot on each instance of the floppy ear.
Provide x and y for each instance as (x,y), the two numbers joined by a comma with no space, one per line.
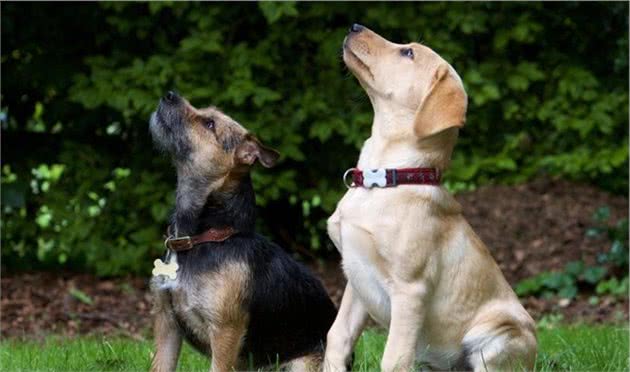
(443,107)
(251,149)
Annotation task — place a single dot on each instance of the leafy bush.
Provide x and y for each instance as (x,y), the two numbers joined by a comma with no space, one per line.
(601,278)
(548,88)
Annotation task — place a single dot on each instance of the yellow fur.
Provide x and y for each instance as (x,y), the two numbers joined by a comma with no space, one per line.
(412,261)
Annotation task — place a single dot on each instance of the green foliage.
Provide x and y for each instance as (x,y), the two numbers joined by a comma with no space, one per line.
(547,82)
(618,253)
(81,296)
(273,11)
(575,274)
(613,287)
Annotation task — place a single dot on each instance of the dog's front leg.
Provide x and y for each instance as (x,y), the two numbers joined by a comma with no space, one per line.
(225,342)
(404,328)
(345,331)
(168,342)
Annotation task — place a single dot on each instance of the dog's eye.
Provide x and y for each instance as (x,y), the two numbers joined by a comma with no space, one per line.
(407,52)
(209,123)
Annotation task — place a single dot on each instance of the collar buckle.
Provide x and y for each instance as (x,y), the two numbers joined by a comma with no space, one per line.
(349,182)
(394,177)
(182,243)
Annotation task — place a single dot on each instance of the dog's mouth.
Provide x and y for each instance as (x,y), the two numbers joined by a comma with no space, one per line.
(157,130)
(157,125)
(162,130)
(166,118)
(357,61)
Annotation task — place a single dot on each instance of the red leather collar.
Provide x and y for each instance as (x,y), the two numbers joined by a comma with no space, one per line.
(392,177)
(185,243)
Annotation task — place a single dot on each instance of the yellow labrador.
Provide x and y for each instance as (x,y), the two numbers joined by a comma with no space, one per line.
(413,262)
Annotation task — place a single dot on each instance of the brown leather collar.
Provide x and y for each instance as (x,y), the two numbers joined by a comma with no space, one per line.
(184,243)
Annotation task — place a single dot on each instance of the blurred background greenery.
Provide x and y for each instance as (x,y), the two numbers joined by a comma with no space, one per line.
(82,185)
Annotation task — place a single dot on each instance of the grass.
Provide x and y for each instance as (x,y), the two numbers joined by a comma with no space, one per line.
(563,348)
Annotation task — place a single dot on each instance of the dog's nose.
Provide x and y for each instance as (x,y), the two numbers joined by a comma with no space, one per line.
(356,27)
(171,97)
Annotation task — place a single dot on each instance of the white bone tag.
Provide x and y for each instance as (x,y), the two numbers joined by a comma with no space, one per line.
(168,269)
(375,177)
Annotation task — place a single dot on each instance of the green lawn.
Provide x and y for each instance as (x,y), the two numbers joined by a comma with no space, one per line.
(578,348)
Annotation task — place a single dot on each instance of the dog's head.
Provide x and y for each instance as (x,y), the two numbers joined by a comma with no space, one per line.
(411,80)
(205,142)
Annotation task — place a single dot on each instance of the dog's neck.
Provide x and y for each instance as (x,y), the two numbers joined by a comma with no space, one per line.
(393,143)
(201,204)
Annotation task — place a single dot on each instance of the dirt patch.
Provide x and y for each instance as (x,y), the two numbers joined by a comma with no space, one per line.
(37,304)
(541,225)
(528,228)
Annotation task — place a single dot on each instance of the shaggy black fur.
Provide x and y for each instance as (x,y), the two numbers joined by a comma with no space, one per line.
(237,209)
(290,312)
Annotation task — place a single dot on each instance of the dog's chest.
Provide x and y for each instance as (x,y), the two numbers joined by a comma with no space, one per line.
(371,224)
(187,308)
(190,313)
(363,261)
(370,284)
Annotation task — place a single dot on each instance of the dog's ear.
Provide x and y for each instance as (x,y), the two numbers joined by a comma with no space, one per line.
(443,107)
(251,149)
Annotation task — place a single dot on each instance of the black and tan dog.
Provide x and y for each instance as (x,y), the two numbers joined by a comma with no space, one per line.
(235,295)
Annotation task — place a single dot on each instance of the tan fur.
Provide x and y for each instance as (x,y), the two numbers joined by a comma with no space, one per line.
(444,106)
(206,144)
(226,343)
(168,341)
(412,261)
(221,323)
(209,148)
(226,289)
(307,363)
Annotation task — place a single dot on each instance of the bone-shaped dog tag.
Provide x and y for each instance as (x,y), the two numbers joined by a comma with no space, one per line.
(374,177)
(168,269)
